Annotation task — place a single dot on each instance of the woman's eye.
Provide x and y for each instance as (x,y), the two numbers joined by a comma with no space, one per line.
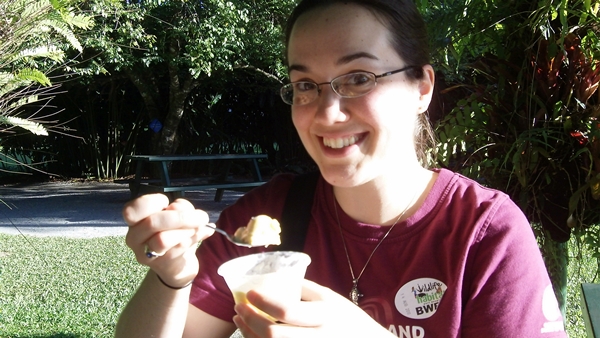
(304,86)
(357,79)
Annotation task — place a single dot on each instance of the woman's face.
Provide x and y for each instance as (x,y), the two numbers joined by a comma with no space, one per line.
(354,140)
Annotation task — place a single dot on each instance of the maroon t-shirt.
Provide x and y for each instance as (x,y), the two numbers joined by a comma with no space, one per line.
(465,264)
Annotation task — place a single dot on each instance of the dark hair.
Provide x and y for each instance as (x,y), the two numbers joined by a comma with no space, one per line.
(409,40)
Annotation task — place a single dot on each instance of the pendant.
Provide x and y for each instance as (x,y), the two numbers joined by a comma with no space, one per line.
(354,293)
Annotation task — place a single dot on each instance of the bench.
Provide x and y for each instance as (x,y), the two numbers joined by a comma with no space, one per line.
(171,188)
(590,301)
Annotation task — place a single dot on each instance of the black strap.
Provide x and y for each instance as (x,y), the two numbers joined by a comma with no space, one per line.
(297,211)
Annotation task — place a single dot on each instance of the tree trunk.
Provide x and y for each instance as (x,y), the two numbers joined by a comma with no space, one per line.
(180,86)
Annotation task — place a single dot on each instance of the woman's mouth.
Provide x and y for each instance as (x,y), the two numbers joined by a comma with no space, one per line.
(338,143)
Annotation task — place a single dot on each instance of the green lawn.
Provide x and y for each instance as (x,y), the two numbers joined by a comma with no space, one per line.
(60,287)
(582,269)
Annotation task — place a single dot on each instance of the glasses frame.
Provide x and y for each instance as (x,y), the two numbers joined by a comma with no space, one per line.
(330,83)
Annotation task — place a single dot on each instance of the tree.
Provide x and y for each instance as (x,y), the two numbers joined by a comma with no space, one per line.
(167,49)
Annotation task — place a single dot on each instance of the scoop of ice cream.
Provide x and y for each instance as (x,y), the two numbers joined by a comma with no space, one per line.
(261,230)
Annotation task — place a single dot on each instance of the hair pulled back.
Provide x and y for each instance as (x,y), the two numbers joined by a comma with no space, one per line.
(408,38)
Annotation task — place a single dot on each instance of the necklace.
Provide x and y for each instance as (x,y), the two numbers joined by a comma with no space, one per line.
(354,292)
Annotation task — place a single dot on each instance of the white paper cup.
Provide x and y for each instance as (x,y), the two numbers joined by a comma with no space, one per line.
(277,274)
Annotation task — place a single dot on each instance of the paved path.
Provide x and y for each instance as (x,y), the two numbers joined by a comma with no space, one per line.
(80,209)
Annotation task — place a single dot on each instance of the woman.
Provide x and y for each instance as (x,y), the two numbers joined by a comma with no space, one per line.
(423,253)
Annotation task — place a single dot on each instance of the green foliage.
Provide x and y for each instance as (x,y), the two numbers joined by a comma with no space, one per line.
(199,38)
(462,31)
(527,121)
(31,35)
(526,118)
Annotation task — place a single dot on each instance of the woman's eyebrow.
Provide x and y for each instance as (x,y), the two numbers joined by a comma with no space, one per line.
(341,61)
(299,68)
(351,57)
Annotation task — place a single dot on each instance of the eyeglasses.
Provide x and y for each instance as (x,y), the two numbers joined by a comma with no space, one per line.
(347,86)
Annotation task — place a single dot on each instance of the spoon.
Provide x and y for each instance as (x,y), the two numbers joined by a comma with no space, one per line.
(229,237)
(232,239)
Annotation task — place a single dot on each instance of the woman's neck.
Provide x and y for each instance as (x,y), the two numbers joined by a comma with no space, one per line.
(383,199)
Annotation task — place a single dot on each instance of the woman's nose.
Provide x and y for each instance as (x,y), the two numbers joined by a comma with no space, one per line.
(328,107)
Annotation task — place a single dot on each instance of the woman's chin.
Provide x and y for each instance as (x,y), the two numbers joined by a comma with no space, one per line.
(343,176)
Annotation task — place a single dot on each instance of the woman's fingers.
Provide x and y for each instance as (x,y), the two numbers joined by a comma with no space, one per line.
(251,322)
(317,302)
(166,220)
(321,313)
(170,219)
(144,206)
(180,204)
(307,313)
(157,226)
(164,241)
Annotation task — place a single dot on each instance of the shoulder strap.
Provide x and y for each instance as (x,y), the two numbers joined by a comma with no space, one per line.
(297,211)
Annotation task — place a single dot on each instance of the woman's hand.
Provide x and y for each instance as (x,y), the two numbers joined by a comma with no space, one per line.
(321,313)
(171,230)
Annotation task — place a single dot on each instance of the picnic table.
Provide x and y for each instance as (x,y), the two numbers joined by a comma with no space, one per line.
(590,301)
(167,185)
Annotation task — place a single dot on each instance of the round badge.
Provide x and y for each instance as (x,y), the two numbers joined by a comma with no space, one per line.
(419,298)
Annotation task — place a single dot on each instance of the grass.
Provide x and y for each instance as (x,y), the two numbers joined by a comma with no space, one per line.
(583,268)
(60,287)
(67,288)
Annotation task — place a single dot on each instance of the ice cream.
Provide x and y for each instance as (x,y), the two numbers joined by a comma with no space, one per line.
(261,230)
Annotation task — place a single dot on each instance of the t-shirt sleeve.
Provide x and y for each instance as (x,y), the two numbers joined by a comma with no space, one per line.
(209,292)
(507,290)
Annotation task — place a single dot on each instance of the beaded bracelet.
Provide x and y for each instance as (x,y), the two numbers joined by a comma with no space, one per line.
(173,287)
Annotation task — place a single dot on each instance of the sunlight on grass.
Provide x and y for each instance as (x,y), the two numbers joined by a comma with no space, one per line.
(60,287)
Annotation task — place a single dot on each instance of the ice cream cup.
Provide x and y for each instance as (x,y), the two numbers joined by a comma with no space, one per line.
(277,274)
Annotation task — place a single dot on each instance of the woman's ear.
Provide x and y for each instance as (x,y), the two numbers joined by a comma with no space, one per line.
(426,84)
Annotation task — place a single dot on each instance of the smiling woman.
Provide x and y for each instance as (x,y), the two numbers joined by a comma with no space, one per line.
(396,248)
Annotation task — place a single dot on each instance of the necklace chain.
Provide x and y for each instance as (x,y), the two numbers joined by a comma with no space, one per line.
(355,293)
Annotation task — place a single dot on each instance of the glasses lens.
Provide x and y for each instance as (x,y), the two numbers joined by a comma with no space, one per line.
(299,93)
(354,84)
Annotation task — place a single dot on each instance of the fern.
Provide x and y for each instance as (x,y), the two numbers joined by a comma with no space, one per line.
(50,52)
(31,126)
(81,21)
(33,75)
(25,77)
(32,30)
(5,78)
(31,9)
(63,29)
(13,82)
(29,99)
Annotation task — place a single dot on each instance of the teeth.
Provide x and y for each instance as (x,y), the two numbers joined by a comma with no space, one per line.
(338,143)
